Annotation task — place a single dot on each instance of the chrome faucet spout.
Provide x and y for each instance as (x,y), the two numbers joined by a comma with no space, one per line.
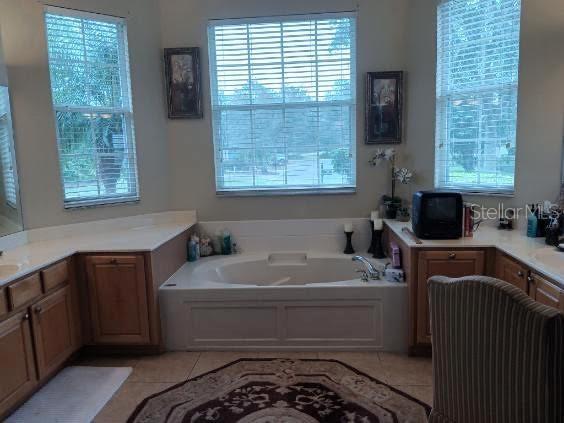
(371,271)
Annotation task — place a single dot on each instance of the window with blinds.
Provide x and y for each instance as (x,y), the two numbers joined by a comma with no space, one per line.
(477,79)
(90,84)
(7,150)
(283,103)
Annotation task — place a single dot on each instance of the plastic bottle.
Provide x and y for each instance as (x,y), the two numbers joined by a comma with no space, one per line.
(226,243)
(532,223)
(217,241)
(196,239)
(192,250)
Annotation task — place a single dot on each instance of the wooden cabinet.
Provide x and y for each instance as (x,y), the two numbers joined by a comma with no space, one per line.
(545,292)
(3,303)
(53,330)
(453,264)
(117,290)
(511,271)
(103,300)
(17,368)
(537,286)
(40,331)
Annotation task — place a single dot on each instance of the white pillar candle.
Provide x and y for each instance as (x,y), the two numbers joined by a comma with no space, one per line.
(378,224)
(374,215)
(348,227)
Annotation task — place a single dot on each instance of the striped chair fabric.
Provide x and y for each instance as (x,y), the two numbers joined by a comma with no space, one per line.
(497,354)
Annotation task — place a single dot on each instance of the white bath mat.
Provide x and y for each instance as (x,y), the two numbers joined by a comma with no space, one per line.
(75,395)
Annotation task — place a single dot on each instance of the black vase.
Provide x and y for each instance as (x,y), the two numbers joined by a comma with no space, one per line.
(391,210)
(552,236)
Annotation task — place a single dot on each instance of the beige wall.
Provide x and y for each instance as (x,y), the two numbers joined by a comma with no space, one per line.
(3,73)
(381,44)
(21,23)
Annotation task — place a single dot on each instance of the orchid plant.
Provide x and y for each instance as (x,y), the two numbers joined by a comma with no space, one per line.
(401,174)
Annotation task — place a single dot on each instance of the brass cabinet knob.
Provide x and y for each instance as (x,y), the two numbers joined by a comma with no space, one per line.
(25,317)
(520,273)
(451,256)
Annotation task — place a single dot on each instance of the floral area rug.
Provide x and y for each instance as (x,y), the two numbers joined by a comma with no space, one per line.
(281,391)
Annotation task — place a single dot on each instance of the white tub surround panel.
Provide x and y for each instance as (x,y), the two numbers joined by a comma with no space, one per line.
(325,235)
(531,251)
(37,248)
(319,304)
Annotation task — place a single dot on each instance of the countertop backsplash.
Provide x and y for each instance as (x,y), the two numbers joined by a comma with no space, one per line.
(326,235)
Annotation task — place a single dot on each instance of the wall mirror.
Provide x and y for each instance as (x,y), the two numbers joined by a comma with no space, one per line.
(10,205)
(561,197)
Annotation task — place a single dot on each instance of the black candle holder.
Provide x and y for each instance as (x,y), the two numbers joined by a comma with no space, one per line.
(378,250)
(372,238)
(349,248)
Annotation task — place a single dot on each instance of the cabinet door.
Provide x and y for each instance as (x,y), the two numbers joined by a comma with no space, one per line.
(545,292)
(118,299)
(53,330)
(17,368)
(453,264)
(3,303)
(511,271)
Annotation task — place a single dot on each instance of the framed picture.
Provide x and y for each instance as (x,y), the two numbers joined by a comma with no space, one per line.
(183,85)
(384,102)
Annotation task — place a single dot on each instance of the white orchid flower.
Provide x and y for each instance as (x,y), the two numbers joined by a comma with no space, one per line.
(382,155)
(403,174)
(389,154)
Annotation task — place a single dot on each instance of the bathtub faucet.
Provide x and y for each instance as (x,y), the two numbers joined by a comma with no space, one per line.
(370,270)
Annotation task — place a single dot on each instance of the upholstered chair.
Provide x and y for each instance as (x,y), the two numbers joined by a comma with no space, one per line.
(497,354)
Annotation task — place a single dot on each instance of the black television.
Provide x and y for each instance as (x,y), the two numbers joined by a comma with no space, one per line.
(437,215)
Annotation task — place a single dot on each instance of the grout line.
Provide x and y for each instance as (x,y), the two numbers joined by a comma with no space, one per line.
(188,376)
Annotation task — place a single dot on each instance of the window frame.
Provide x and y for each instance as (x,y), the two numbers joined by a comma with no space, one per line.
(126,111)
(442,121)
(291,190)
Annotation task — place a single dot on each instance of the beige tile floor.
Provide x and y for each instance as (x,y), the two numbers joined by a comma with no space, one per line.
(156,373)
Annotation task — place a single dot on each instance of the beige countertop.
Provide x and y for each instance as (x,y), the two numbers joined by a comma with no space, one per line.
(37,248)
(533,252)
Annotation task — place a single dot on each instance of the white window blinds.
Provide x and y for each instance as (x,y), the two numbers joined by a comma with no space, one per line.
(283,103)
(6,149)
(90,85)
(477,77)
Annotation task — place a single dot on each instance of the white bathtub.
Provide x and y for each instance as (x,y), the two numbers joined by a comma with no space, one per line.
(281,301)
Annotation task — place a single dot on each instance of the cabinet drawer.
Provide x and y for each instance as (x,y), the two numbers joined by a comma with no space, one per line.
(55,275)
(511,271)
(24,291)
(3,302)
(545,292)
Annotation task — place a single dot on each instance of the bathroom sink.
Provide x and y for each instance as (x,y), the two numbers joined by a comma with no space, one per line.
(550,257)
(8,269)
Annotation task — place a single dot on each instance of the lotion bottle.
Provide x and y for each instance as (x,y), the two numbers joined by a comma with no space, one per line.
(532,223)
